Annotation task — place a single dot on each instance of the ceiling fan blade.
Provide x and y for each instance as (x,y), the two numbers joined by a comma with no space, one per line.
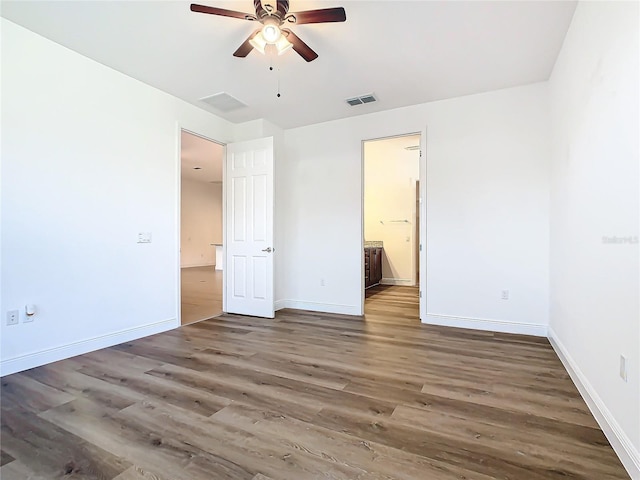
(221,11)
(323,15)
(245,49)
(299,46)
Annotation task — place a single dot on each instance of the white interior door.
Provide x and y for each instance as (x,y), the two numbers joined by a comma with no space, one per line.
(249,228)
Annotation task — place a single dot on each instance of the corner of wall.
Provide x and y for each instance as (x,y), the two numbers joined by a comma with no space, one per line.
(620,441)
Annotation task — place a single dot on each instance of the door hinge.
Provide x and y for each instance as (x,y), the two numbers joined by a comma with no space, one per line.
(420,293)
(420,247)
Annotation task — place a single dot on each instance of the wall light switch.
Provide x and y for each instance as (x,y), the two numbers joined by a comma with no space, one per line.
(29,313)
(144,237)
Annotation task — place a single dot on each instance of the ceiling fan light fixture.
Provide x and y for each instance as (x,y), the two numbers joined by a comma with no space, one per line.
(271,32)
(283,45)
(258,42)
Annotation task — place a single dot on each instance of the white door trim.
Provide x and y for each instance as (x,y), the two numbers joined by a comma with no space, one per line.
(422,273)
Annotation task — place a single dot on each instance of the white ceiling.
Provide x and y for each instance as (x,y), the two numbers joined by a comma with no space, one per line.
(201,159)
(406,52)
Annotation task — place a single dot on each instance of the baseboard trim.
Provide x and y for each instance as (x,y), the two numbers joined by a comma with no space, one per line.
(36,359)
(402,282)
(621,443)
(503,326)
(319,307)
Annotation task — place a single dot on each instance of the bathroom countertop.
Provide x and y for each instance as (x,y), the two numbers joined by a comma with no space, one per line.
(373,244)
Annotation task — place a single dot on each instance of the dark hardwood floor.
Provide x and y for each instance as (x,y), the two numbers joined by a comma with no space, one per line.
(306,396)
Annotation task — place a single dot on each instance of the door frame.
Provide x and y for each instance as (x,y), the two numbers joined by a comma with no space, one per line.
(180,129)
(422,234)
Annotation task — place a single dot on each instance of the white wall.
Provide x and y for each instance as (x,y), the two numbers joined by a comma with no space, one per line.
(390,175)
(89,159)
(595,314)
(201,222)
(487,208)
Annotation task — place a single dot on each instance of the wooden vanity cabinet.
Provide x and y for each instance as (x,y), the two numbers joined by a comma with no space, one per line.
(372,266)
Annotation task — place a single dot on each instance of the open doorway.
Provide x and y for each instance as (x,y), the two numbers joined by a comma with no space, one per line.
(391,204)
(201,227)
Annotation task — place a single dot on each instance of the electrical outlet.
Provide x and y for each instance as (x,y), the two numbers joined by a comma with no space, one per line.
(144,237)
(623,367)
(505,295)
(13,317)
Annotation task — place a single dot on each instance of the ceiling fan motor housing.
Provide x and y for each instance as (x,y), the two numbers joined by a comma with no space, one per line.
(278,9)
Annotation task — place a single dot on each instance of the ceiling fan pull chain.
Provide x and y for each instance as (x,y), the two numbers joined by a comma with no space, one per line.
(278,94)
(277,75)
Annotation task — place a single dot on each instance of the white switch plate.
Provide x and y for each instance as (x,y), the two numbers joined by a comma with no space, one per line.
(28,318)
(623,367)
(505,295)
(144,237)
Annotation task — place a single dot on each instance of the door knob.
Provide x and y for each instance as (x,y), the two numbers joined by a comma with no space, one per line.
(268,249)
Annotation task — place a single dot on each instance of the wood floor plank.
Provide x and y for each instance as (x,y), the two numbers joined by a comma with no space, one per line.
(294,434)
(53,452)
(111,398)
(281,388)
(304,396)
(137,473)
(17,470)
(486,461)
(532,446)
(260,476)
(151,449)
(243,450)
(287,368)
(118,358)
(30,394)
(239,390)
(5,458)
(147,387)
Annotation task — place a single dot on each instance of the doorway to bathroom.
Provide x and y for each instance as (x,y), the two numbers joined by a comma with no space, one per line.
(391,226)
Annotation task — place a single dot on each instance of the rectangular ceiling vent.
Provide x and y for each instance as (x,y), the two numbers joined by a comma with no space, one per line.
(223,102)
(412,147)
(368,98)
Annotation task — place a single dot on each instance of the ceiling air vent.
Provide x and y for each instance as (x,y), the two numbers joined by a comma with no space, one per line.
(223,102)
(368,98)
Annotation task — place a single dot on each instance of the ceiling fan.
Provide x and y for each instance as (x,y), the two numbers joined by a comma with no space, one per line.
(273,14)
